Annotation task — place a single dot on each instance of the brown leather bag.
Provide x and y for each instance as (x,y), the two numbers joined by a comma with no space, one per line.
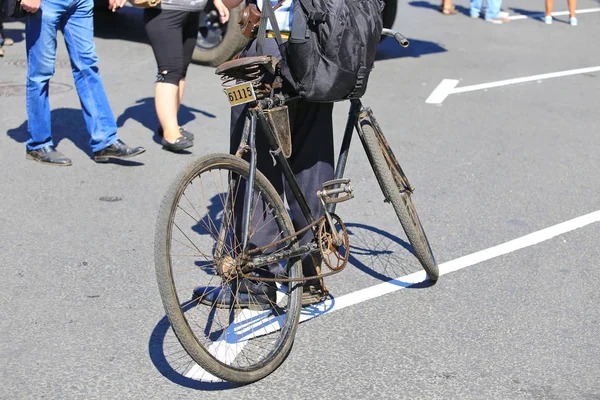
(249,18)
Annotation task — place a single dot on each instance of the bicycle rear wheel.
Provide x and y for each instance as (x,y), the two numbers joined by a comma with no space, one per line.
(396,189)
(197,244)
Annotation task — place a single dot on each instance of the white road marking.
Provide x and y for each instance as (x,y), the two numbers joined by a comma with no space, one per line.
(448,86)
(394,285)
(554,14)
(443,90)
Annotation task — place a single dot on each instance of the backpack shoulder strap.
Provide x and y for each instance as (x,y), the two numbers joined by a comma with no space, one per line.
(267,13)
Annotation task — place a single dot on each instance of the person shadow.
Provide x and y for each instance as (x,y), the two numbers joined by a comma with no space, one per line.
(536,15)
(67,123)
(143,111)
(17,35)
(436,6)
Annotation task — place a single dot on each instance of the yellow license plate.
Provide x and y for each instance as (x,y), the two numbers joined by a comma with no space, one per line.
(240,94)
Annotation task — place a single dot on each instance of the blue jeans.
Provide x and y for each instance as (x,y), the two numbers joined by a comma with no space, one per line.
(492,8)
(75,20)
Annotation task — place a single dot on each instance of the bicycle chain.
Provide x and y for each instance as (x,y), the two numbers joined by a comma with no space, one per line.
(304,278)
(307,227)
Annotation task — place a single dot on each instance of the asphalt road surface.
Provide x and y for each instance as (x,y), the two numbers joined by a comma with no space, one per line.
(80,312)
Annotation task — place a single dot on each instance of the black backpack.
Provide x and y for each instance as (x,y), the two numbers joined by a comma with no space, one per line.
(332,46)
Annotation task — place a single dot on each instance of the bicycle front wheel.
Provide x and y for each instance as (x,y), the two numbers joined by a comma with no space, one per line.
(394,187)
(235,337)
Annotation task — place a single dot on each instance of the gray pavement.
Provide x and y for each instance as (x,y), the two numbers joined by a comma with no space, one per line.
(80,314)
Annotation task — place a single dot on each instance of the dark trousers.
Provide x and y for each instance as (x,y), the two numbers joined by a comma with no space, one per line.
(311,160)
(172,35)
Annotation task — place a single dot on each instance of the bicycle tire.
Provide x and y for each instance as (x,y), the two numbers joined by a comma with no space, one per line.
(399,197)
(166,284)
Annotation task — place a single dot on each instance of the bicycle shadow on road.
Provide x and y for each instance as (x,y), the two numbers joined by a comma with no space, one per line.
(535,15)
(383,255)
(66,123)
(389,49)
(171,360)
(144,112)
(375,252)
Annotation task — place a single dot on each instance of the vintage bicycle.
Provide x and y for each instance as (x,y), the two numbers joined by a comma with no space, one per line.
(215,207)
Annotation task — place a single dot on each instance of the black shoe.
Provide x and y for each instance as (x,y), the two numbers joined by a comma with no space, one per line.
(180,144)
(48,155)
(117,150)
(186,134)
(255,295)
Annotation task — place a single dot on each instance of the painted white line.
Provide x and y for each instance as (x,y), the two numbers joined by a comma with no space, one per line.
(443,90)
(554,14)
(394,285)
(447,86)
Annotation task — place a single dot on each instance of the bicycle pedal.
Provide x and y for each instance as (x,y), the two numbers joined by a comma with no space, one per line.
(336,191)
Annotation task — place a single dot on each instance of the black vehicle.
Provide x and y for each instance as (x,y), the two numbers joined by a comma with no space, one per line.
(218,42)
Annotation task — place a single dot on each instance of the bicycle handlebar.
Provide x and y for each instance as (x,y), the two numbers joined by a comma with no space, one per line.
(402,41)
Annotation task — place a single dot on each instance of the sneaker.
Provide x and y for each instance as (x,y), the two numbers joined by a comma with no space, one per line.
(573,21)
(501,18)
(497,20)
(548,19)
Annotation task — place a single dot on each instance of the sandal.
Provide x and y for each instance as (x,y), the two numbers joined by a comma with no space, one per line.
(449,11)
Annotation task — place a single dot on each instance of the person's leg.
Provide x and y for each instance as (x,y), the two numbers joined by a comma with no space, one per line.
(268,229)
(78,29)
(164,29)
(4,41)
(549,7)
(493,12)
(40,39)
(312,163)
(475,8)
(572,6)
(190,36)
(311,160)
(448,8)
(1,33)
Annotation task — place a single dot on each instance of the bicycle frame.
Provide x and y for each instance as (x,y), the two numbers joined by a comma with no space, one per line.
(257,119)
